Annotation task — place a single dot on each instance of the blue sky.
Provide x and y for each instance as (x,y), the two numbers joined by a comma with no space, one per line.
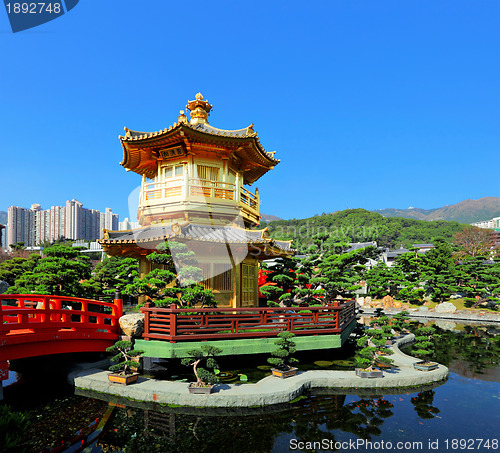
(367,104)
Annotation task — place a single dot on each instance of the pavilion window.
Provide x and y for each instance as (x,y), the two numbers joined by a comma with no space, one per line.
(208,173)
(223,280)
(205,268)
(173,171)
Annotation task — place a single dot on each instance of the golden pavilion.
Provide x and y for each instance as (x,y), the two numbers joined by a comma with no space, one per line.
(193,191)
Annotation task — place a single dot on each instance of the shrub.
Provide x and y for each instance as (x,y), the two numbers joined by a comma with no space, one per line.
(282,356)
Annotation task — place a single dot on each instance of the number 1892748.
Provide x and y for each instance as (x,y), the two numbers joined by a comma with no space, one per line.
(34,8)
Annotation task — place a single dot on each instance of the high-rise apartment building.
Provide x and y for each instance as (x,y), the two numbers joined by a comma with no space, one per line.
(128,225)
(20,225)
(34,226)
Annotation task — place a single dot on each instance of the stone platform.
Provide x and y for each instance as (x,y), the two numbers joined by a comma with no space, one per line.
(267,391)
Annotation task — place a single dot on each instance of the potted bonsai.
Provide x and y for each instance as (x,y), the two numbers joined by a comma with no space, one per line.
(282,358)
(205,379)
(424,348)
(372,351)
(125,363)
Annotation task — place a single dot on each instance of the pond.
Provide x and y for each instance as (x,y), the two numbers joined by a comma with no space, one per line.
(461,414)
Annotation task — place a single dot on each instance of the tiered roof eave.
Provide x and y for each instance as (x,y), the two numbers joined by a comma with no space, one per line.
(114,241)
(138,160)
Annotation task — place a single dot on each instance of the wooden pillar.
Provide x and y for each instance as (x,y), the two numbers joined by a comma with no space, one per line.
(237,278)
(143,266)
(256,284)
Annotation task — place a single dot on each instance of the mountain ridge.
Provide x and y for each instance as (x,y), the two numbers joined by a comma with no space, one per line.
(466,211)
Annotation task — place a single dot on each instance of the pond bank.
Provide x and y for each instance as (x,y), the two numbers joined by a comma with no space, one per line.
(267,391)
(459,315)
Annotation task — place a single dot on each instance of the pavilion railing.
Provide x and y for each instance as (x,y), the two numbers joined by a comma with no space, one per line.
(195,324)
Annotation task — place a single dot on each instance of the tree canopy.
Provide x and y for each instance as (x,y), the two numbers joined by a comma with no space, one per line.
(61,271)
(359,225)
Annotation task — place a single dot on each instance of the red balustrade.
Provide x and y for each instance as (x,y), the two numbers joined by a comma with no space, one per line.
(194,324)
(32,324)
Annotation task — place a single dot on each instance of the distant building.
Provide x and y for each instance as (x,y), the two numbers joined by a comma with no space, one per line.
(128,225)
(1,236)
(423,248)
(388,257)
(34,226)
(493,224)
(20,225)
(89,247)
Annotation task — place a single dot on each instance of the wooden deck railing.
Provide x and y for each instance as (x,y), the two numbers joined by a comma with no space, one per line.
(192,324)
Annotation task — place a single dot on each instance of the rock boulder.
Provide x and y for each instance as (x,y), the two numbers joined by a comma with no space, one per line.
(445,307)
(388,301)
(132,325)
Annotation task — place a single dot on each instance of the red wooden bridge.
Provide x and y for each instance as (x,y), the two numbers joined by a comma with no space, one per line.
(35,325)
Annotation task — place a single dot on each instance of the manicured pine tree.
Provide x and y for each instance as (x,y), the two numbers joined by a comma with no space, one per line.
(282,356)
(372,345)
(176,280)
(204,375)
(424,347)
(123,358)
(439,271)
(479,279)
(383,280)
(61,271)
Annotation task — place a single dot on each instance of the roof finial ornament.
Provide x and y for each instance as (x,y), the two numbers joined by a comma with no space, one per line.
(200,110)
(182,117)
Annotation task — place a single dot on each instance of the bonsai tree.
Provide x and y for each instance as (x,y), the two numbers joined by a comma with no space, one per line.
(124,355)
(399,322)
(282,357)
(424,344)
(373,348)
(204,377)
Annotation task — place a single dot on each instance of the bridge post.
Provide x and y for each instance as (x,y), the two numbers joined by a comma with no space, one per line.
(118,301)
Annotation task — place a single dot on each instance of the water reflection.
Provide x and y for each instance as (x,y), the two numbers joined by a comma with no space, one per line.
(79,423)
(314,417)
(423,404)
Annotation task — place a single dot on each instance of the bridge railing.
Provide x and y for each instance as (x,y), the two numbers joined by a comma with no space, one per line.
(193,324)
(25,313)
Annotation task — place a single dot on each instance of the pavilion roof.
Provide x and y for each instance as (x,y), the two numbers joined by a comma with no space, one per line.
(141,150)
(200,233)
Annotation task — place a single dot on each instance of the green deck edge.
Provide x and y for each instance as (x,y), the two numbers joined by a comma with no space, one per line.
(167,350)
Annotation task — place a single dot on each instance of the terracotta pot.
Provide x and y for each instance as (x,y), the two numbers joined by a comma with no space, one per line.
(200,390)
(425,366)
(284,374)
(124,379)
(369,374)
